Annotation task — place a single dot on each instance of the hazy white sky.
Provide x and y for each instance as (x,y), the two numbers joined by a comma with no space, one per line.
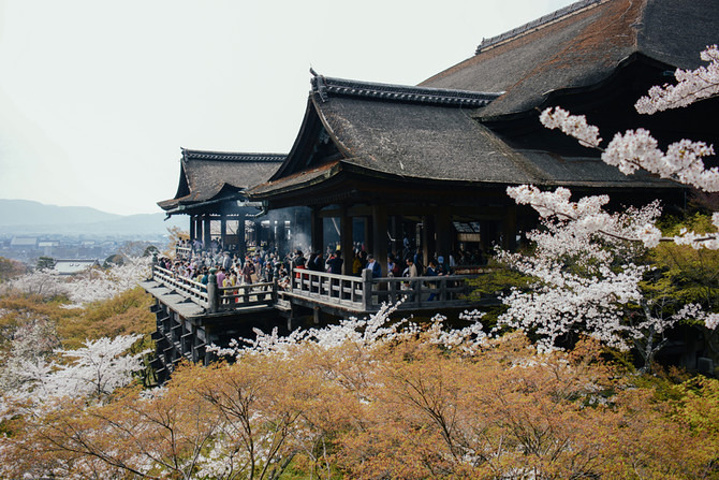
(98,96)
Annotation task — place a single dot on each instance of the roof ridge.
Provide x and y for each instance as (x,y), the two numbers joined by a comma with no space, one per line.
(326,86)
(541,22)
(188,154)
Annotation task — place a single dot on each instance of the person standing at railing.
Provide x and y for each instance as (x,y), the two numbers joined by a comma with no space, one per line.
(374,266)
(432,271)
(221,276)
(334,263)
(356,265)
(248,269)
(226,261)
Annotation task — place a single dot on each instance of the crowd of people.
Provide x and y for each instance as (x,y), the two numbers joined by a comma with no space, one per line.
(266,264)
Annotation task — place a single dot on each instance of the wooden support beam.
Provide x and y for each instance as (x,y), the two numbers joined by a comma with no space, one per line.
(241,241)
(223,231)
(428,242)
(443,227)
(207,231)
(509,228)
(317,230)
(346,243)
(379,236)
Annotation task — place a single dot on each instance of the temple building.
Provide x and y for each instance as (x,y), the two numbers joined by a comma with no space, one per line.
(425,168)
(211,191)
(431,163)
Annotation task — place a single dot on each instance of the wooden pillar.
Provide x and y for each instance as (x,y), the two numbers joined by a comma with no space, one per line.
(256,232)
(223,231)
(395,246)
(367,239)
(192,228)
(241,242)
(259,233)
(281,239)
(346,243)
(207,231)
(428,243)
(443,228)
(379,236)
(509,228)
(317,230)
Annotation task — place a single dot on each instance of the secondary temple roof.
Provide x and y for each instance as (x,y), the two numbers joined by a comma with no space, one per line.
(204,175)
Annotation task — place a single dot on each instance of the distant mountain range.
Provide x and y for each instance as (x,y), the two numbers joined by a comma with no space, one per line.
(27,217)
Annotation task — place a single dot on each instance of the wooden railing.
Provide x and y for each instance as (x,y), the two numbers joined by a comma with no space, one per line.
(186,287)
(183,252)
(330,288)
(255,295)
(357,294)
(216,299)
(367,294)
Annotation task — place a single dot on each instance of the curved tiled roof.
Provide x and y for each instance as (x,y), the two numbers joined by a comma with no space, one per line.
(435,143)
(581,46)
(326,86)
(560,14)
(232,157)
(205,174)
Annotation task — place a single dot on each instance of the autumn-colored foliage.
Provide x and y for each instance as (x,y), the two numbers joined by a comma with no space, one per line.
(125,314)
(10,269)
(408,408)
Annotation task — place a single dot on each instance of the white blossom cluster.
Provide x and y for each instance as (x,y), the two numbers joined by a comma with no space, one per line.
(575,126)
(588,218)
(92,286)
(694,311)
(92,371)
(100,285)
(681,162)
(630,151)
(692,85)
(375,330)
(42,283)
(580,287)
(35,338)
(635,149)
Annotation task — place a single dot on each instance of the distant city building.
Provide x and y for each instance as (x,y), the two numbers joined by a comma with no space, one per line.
(72,267)
(23,242)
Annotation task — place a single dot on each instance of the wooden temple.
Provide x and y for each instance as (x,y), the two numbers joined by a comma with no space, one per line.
(211,191)
(431,163)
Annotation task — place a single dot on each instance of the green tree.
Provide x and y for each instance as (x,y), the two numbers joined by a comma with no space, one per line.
(10,269)
(45,263)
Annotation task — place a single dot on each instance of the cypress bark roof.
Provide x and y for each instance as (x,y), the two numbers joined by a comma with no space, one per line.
(416,140)
(579,46)
(204,175)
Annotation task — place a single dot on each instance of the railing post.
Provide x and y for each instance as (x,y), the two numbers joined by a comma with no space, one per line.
(417,289)
(274,291)
(443,289)
(366,289)
(155,261)
(213,298)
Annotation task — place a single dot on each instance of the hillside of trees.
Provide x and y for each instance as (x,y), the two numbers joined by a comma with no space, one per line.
(362,399)
(561,382)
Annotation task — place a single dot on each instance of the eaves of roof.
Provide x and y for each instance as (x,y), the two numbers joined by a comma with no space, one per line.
(580,46)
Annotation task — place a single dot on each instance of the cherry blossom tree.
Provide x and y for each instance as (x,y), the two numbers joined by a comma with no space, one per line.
(588,262)
(637,149)
(92,286)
